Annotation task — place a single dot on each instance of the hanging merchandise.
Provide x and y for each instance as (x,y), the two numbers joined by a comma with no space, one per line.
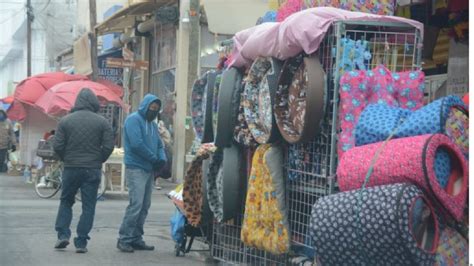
(378,7)
(259,96)
(214,183)
(225,183)
(302,160)
(242,134)
(300,99)
(208,106)
(288,8)
(355,55)
(215,104)
(228,108)
(447,116)
(380,85)
(233,183)
(197,104)
(428,161)
(270,16)
(452,250)
(192,190)
(394,225)
(265,224)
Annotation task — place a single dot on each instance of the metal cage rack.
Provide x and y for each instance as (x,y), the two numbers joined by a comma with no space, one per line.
(397,46)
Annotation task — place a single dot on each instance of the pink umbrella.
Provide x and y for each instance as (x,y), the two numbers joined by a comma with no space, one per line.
(60,99)
(16,112)
(117,89)
(32,88)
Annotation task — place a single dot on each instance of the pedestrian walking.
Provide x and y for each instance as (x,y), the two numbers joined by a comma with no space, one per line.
(83,141)
(7,140)
(144,155)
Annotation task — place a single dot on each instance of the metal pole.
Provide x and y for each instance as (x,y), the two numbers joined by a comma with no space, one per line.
(29,20)
(93,38)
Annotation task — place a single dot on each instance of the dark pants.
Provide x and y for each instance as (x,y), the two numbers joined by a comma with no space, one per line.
(3,157)
(88,181)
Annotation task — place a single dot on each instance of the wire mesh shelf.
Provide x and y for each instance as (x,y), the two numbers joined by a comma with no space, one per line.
(311,166)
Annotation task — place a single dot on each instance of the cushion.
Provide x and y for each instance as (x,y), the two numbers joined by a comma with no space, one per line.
(264,226)
(300,99)
(258,97)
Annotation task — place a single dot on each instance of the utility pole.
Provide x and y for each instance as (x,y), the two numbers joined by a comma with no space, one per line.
(187,71)
(93,38)
(29,20)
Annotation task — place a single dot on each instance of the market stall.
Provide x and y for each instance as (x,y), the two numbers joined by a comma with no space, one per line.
(329,100)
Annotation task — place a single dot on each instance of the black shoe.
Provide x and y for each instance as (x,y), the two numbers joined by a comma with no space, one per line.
(124,247)
(142,246)
(81,250)
(61,243)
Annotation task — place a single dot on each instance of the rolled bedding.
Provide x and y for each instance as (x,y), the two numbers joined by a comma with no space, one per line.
(447,116)
(392,225)
(431,162)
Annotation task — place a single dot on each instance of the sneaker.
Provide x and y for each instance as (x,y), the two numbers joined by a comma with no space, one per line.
(61,243)
(81,250)
(158,187)
(142,246)
(124,247)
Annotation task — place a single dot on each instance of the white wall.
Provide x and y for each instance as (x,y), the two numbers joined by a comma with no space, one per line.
(32,130)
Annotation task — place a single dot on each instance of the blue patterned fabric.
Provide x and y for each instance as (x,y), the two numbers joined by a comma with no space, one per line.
(442,167)
(378,121)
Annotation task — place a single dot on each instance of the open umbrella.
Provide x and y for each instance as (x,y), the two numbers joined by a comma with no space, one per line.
(16,112)
(117,89)
(32,88)
(60,99)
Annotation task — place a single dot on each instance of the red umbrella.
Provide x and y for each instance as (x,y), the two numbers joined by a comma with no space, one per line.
(60,99)
(117,89)
(8,100)
(16,112)
(32,88)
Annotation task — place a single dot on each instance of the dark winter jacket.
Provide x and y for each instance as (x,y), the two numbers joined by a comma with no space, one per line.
(142,142)
(84,138)
(7,136)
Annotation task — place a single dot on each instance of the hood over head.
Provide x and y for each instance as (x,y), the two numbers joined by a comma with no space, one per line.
(145,104)
(86,100)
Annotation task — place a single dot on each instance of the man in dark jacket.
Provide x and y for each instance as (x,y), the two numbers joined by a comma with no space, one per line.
(83,141)
(7,140)
(144,154)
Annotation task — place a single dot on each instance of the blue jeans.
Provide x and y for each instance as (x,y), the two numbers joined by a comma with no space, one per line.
(140,187)
(88,180)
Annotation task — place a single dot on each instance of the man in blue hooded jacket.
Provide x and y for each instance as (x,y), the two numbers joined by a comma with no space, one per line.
(144,154)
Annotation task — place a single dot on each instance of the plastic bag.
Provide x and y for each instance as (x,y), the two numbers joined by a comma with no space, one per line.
(177,222)
(13,157)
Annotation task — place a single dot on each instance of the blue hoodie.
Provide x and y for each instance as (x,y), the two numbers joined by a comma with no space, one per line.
(142,142)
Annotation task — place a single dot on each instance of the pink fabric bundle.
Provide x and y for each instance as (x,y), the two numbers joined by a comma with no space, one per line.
(409,160)
(379,85)
(302,31)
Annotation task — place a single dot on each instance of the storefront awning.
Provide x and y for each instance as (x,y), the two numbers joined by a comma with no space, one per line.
(232,16)
(126,16)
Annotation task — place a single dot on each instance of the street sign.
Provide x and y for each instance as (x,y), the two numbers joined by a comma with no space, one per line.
(127,54)
(121,63)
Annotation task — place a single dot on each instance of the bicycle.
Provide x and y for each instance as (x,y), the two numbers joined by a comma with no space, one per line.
(50,183)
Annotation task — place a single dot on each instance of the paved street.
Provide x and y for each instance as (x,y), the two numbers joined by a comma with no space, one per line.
(27,233)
